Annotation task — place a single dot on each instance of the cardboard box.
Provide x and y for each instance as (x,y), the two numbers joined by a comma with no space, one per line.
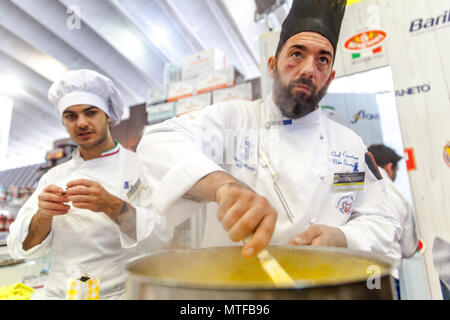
(220,79)
(182,89)
(239,92)
(193,103)
(202,62)
(156,96)
(172,73)
(161,112)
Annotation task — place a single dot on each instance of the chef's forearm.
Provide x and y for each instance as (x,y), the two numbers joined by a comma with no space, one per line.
(206,188)
(38,230)
(126,220)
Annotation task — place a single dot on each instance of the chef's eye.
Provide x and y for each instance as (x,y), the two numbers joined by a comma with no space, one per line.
(296,55)
(69,116)
(91,113)
(323,60)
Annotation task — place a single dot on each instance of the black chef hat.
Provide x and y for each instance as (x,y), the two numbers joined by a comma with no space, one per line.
(321,16)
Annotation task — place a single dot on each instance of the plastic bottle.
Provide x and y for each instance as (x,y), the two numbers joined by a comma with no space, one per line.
(3,222)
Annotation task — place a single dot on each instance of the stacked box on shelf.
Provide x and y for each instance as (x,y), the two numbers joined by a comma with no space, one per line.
(218,79)
(172,73)
(181,89)
(239,92)
(193,103)
(161,112)
(156,96)
(202,62)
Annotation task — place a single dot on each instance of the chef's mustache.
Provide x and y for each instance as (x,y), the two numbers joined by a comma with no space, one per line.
(84,130)
(303,81)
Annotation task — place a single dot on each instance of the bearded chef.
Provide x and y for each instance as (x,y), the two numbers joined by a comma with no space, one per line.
(276,169)
(85,209)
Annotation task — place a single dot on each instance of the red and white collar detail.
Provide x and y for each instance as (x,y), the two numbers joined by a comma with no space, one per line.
(112,151)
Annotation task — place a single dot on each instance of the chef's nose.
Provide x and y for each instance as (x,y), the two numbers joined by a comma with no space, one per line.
(307,70)
(82,121)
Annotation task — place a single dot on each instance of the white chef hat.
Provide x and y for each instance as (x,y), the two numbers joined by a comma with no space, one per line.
(87,87)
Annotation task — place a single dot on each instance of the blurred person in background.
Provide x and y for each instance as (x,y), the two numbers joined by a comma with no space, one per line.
(406,241)
(441,262)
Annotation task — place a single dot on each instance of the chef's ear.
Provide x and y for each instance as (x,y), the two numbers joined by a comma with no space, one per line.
(390,169)
(333,73)
(108,119)
(271,65)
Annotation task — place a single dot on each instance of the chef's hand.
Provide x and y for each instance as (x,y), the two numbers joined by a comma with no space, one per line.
(51,203)
(241,212)
(320,235)
(88,194)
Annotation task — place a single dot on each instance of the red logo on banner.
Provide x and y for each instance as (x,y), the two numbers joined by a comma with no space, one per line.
(365,40)
(410,160)
(421,246)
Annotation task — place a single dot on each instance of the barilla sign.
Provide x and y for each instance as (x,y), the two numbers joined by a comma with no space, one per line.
(365,40)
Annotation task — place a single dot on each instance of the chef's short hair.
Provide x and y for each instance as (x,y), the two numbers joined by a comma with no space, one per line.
(384,155)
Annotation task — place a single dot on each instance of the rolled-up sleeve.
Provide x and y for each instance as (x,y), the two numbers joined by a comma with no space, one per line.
(18,230)
(177,153)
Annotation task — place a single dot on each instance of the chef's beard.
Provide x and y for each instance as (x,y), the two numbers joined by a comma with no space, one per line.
(296,106)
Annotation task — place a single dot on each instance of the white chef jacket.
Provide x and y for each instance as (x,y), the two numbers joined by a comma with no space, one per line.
(306,154)
(406,242)
(84,241)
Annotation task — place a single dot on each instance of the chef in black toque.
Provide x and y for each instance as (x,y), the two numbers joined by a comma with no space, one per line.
(310,31)
(290,175)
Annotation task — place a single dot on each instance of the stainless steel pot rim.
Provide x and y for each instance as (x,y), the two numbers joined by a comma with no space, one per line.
(376,257)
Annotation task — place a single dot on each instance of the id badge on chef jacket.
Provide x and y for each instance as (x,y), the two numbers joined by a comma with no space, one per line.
(348,181)
(134,190)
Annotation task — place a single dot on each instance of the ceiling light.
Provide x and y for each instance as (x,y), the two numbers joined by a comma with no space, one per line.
(50,68)
(159,35)
(131,45)
(10,85)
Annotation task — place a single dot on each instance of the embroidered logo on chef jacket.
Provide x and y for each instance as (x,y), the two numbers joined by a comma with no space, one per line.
(245,155)
(344,205)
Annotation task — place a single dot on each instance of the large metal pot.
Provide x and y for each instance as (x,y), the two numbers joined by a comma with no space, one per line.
(222,273)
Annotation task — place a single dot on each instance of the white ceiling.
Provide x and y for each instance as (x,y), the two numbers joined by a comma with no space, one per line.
(129,41)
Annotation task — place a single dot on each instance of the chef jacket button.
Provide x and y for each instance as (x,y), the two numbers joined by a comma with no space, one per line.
(321,137)
(322,177)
